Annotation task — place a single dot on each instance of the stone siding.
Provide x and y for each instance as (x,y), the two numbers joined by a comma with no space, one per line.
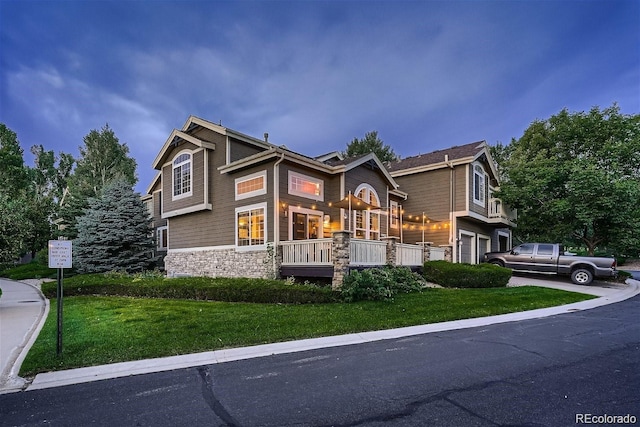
(220,263)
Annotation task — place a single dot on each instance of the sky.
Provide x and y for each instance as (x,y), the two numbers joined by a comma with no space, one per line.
(425,75)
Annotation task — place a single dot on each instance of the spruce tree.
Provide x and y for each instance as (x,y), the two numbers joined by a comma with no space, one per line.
(114,233)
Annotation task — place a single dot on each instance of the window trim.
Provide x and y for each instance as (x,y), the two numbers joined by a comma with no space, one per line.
(174,166)
(249,208)
(394,214)
(311,179)
(259,192)
(479,199)
(159,231)
(304,211)
(368,215)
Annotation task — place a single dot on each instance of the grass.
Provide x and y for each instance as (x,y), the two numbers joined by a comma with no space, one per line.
(33,270)
(108,329)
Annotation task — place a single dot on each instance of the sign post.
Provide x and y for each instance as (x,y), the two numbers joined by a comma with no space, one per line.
(59,258)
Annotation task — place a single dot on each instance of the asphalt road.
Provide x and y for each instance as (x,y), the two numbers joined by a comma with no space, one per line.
(541,372)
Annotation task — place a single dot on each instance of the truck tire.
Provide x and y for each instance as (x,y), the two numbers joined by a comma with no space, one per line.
(581,276)
(497,262)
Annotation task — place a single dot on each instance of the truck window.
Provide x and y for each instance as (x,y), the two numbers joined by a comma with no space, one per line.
(545,249)
(523,250)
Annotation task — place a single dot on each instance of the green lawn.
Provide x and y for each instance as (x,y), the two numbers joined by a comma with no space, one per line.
(106,329)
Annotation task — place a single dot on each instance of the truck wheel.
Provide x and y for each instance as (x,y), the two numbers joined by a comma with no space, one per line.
(497,262)
(581,276)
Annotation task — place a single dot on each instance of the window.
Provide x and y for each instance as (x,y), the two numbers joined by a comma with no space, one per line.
(182,176)
(367,223)
(148,205)
(251,225)
(526,249)
(161,239)
(395,214)
(545,249)
(478,185)
(306,186)
(306,226)
(251,185)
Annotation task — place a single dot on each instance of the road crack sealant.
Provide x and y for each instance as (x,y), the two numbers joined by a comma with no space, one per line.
(209,396)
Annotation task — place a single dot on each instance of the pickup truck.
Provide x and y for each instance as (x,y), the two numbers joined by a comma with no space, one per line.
(550,258)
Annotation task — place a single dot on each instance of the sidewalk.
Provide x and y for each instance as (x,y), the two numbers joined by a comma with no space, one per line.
(23,310)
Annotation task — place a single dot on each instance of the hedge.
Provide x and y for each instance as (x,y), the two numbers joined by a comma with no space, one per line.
(193,288)
(454,275)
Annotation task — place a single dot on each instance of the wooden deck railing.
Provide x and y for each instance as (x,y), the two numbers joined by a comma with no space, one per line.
(315,252)
(368,252)
(409,255)
(307,252)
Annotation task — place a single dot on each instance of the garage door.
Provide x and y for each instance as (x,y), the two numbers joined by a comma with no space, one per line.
(466,248)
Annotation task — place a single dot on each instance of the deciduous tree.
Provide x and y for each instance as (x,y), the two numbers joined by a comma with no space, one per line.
(575,179)
(370,143)
(103,159)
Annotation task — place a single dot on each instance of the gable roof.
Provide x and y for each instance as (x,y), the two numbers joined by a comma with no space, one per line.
(456,153)
(174,140)
(447,157)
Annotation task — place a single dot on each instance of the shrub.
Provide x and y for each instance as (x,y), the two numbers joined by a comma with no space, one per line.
(153,285)
(370,284)
(452,275)
(379,283)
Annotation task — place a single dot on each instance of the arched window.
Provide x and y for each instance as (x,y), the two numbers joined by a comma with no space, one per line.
(367,223)
(182,176)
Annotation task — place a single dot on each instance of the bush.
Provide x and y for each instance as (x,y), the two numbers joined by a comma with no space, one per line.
(153,285)
(450,275)
(379,284)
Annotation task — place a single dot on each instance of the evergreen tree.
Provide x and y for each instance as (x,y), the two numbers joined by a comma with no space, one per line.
(114,233)
(102,160)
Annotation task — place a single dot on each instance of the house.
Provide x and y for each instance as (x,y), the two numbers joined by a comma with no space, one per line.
(457,209)
(231,205)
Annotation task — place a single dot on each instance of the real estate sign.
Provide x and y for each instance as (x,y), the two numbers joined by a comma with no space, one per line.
(60,254)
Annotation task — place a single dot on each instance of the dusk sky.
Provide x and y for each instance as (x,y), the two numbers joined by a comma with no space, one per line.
(313,74)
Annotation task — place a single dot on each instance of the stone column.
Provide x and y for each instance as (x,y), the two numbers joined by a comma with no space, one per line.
(277,262)
(448,253)
(340,255)
(426,251)
(392,250)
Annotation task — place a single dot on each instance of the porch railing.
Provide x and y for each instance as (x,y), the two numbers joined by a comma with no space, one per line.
(437,254)
(409,255)
(497,209)
(368,252)
(307,252)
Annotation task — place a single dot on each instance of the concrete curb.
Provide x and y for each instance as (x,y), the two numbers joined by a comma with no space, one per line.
(124,369)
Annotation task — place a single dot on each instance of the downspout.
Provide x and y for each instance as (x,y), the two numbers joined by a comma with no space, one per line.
(452,181)
(276,209)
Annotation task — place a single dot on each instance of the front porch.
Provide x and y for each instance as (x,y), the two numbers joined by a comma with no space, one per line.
(334,257)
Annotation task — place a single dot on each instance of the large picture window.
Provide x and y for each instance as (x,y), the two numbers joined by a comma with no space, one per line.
(251,185)
(182,175)
(306,186)
(251,229)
